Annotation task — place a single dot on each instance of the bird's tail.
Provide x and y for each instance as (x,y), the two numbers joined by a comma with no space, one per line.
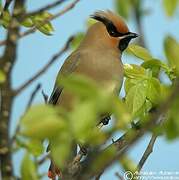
(54,171)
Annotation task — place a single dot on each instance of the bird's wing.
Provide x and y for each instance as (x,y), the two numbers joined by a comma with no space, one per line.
(67,68)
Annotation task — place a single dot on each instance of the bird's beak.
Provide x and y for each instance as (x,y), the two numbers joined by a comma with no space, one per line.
(131,35)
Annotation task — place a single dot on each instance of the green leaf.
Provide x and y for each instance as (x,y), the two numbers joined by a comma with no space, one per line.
(27,22)
(123,7)
(42,121)
(45,29)
(129,83)
(82,86)
(170,7)
(139,52)
(6,18)
(128,164)
(28,168)
(153,90)
(42,23)
(134,71)
(155,65)
(83,128)
(90,22)
(171,47)
(121,114)
(35,147)
(61,147)
(2,77)
(136,97)
(46,15)
(76,41)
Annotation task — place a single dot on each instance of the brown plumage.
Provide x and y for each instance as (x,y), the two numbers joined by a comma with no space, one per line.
(98,57)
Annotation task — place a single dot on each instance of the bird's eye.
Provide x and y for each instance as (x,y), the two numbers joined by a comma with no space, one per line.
(112,30)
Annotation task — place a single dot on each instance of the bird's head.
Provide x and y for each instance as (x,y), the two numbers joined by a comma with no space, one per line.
(115,30)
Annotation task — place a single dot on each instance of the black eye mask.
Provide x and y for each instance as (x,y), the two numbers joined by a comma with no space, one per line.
(113,31)
(124,43)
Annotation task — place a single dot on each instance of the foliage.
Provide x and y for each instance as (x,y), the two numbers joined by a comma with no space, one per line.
(144,91)
(40,21)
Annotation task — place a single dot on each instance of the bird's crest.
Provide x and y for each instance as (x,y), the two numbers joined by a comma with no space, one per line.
(107,17)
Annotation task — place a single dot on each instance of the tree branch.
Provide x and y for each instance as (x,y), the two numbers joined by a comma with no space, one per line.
(119,176)
(45,8)
(33,96)
(44,69)
(32,30)
(7,62)
(7,4)
(147,152)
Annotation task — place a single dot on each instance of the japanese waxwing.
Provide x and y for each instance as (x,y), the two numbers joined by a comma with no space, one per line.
(98,57)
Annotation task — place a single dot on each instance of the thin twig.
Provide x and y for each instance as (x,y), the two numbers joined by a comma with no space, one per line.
(7,4)
(45,96)
(32,30)
(33,96)
(119,176)
(147,152)
(45,8)
(44,69)
(43,159)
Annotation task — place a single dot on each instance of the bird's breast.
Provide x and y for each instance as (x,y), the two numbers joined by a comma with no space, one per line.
(104,68)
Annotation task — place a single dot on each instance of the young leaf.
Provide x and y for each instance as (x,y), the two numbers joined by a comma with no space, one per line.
(153,90)
(170,6)
(129,83)
(134,71)
(27,22)
(90,22)
(42,23)
(28,169)
(76,41)
(121,114)
(128,164)
(136,97)
(83,128)
(35,147)
(171,47)
(139,52)
(46,28)
(61,147)
(42,121)
(82,86)
(6,18)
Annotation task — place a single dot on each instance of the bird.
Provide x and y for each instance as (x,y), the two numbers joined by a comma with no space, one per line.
(98,57)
